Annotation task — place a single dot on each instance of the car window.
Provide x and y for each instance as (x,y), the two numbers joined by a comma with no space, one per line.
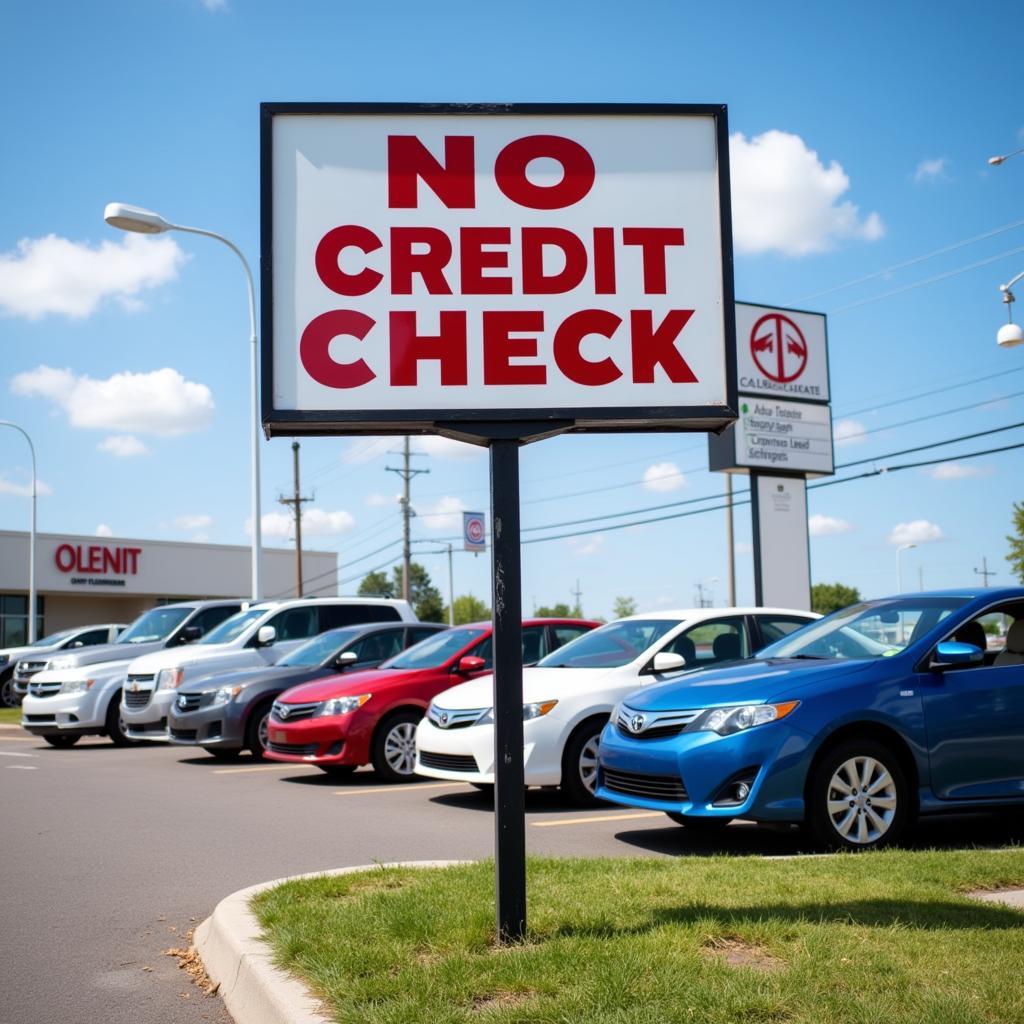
(234,626)
(561,635)
(485,650)
(775,627)
(334,615)
(210,618)
(319,649)
(156,624)
(92,638)
(533,644)
(989,632)
(436,649)
(295,623)
(419,633)
(378,646)
(610,646)
(712,641)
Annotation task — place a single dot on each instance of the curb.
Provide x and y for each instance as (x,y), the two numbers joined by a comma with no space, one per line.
(254,989)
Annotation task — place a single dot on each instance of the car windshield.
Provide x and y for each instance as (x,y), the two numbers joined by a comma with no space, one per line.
(435,650)
(156,624)
(610,646)
(865,631)
(54,638)
(230,628)
(320,649)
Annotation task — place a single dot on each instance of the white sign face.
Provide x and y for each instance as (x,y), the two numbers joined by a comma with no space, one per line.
(430,267)
(781,352)
(474,531)
(795,436)
(783,569)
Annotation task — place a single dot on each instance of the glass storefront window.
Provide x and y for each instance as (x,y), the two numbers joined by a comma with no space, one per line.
(14,619)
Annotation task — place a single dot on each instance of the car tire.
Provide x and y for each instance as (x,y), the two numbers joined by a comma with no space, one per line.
(61,742)
(8,695)
(393,751)
(256,731)
(114,727)
(703,826)
(858,797)
(579,763)
(338,771)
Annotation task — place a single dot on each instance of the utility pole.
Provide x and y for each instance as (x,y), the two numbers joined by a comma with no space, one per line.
(451,588)
(296,502)
(984,572)
(578,594)
(406,473)
(730,546)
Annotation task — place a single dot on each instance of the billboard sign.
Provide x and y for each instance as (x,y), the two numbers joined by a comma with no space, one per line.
(429,267)
(781,352)
(782,569)
(474,531)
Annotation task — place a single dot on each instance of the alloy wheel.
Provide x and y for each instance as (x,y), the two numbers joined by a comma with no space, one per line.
(400,748)
(588,763)
(862,800)
(8,695)
(263,731)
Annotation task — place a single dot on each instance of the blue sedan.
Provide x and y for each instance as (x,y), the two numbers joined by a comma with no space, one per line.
(854,725)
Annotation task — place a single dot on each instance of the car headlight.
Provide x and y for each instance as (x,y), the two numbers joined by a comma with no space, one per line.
(726,721)
(224,695)
(169,678)
(341,705)
(535,709)
(76,685)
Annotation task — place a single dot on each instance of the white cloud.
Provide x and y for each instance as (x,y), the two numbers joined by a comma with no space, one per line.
(663,476)
(161,402)
(957,471)
(194,522)
(366,449)
(24,490)
(827,526)
(444,514)
(123,446)
(377,500)
(919,531)
(784,199)
(445,448)
(104,531)
(55,275)
(848,432)
(315,523)
(584,546)
(931,170)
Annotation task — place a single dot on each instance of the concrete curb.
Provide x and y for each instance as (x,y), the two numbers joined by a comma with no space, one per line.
(254,989)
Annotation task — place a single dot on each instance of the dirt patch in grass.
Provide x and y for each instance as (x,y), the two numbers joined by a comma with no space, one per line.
(735,952)
(502,1001)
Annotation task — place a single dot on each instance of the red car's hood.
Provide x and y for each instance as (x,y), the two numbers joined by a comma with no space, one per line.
(352,683)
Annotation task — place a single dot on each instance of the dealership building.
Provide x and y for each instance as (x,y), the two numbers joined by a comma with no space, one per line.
(82,580)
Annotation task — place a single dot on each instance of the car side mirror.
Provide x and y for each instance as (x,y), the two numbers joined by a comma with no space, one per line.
(469,664)
(953,654)
(77,643)
(666,661)
(189,634)
(346,659)
(266,636)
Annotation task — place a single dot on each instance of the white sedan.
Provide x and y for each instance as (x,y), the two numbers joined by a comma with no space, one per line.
(568,696)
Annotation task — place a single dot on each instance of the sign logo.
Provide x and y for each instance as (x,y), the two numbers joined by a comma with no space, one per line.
(637,723)
(779,348)
(474,531)
(443,720)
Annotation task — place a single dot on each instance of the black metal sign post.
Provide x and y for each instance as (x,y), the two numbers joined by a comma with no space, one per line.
(509,785)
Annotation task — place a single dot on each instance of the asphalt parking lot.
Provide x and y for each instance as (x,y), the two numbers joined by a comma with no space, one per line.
(112,855)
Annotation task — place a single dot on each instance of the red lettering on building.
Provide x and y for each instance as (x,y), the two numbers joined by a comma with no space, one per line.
(97,559)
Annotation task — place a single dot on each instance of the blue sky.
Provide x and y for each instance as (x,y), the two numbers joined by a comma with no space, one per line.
(878,120)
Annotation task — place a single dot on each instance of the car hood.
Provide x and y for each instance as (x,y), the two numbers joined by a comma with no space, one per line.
(17,653)
(182,656)
(102,652)
(352,683)
(284,677)
(746,682)
(538,684)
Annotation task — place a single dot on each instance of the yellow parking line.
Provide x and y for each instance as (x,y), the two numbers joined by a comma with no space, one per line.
(398,789)
(596,817)
(261,768)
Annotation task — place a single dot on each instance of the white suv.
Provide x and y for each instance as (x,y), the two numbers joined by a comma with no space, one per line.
(254,638)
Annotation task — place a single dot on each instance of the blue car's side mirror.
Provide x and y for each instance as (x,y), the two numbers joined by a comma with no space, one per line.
(952,654)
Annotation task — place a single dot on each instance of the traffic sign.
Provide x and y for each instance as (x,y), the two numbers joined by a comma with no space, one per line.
(781,352)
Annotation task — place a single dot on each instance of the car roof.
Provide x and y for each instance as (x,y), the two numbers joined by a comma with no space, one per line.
(359,628)
(696,613)
(534,621)
(967,593)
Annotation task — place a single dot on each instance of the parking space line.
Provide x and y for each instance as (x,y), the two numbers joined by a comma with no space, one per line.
(597,817)
(398,789)
(11,753)
(261,768)
(19,739)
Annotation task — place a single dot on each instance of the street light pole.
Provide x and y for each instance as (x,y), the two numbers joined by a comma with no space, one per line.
(899,565)
(134,218)
(31,539)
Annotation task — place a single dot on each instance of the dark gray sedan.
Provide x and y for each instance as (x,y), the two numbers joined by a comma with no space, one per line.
(228,712)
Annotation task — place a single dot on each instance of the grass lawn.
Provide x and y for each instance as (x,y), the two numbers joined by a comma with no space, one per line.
(10,716)
(886,938)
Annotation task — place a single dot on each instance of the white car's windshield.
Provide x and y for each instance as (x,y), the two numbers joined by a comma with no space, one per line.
(230,628)
(610,646)
(318,650)
(435,650)
(156,624)
(54,638)
(871,629)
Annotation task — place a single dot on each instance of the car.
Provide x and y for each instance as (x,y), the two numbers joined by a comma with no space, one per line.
(341,723)
(854,726)
(228,712)
(78,693)
(259,636)
(568,696)
(19,664)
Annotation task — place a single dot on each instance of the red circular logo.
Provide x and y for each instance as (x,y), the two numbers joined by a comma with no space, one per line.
(475,530)
(778,347)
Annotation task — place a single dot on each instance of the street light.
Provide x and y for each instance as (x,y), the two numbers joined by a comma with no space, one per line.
(899,565)
(1010,334)
(995,161)
(145,222)
(31,539)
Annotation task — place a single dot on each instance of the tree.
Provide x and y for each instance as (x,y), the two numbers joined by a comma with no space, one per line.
(830,597)
(623,606)
(555,611)
(377,584)
(1016,542)
(424,597)
(468,609)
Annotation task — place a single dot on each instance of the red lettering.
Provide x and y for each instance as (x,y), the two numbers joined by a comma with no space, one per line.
(408,348)
(653,242)
(453,182)
(500,347)
(95,559)
(656,346)
(535,282)
(328,252)
(429,265)
(61,556)
(577,167)
(112,560)
(474,259)
(315,348)
(134,552)
(568,339)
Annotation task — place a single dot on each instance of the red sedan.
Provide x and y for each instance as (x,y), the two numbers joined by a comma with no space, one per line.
(370,717)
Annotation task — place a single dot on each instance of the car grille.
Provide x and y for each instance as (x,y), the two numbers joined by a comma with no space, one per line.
(445,719)
(190,701)
(136,700)
(24,669)
(448,762)
(293,712)
(294,749)
(41,719)
(652,787)
(183,734)
(44,689)
(656,725)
